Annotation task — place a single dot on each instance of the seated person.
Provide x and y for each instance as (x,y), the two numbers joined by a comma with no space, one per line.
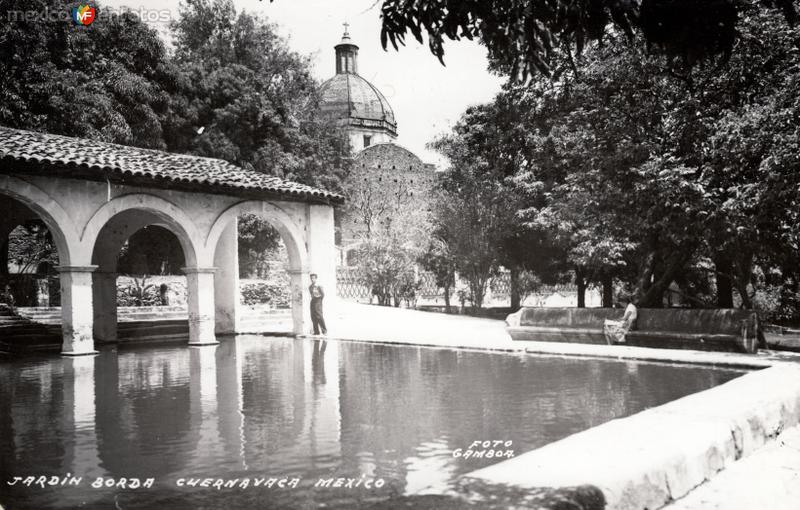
(615,331)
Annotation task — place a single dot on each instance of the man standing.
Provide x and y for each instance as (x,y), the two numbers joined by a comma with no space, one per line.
(316,306)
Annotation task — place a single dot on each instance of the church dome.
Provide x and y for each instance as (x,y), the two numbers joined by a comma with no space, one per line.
(352,99)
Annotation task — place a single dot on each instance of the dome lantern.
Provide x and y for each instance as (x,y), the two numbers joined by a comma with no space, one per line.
(355,103)
(346,54)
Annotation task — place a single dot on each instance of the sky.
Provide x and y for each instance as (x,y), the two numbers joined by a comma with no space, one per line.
(427,98)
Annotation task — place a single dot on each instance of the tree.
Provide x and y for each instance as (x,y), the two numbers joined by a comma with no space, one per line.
(29,245)
(438,260)
(258,242)
(650,174)
(523,36)
(242,95)
(103,82)
(470,218)
(648,187)
(153,250)
(492,148)
(232,89)
(392,225)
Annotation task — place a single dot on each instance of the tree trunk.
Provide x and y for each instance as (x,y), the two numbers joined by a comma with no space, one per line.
(581,284)
(608,291)
(654,296)
(724,267)
(743,271)
(645,281)
(447,299)
(514,288)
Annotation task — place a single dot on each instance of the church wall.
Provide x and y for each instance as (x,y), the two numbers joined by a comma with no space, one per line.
(357,137)
(385,170)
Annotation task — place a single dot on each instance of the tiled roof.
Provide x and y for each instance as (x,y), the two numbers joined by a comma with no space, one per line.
(80,158)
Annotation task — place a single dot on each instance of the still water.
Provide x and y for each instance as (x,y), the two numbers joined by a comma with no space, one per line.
(254,408)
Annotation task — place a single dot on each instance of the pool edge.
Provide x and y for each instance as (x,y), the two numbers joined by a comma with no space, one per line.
(659,455)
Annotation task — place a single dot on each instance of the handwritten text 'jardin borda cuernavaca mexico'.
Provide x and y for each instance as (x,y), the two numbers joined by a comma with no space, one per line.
(53,481)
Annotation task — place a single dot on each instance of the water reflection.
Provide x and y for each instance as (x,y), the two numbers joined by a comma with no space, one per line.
(254,407)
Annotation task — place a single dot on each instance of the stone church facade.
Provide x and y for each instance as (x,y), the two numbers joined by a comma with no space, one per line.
(382,170)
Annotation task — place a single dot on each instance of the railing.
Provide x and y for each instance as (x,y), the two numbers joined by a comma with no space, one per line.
(350,285)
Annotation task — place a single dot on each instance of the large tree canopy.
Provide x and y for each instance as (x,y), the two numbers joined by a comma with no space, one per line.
(229,88)
(105,82)
(522,35)
(244,96)
(651,176)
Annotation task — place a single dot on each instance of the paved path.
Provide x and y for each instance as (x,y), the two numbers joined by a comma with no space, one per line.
(352,321)
(769,478)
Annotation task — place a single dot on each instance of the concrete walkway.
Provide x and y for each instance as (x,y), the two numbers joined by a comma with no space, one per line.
(769,478)
(352,321)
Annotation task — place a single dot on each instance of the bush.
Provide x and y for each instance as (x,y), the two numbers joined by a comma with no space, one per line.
(136,294)
(136,291)
(259,292)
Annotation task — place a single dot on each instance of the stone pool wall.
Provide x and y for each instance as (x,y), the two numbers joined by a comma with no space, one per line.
(654,457)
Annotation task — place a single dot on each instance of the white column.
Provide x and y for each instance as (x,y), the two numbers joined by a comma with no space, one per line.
(226,281)
(104,290)
(77,314)
(200,290)
(321,245)
(301,314)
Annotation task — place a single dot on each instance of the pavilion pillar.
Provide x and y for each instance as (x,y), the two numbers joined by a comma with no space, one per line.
(226,281)
(104,291)
(321,245)
(77,313)
(301,313)
(200,297)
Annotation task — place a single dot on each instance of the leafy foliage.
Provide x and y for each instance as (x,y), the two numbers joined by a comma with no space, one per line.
(152,250)
(103,82)
(259,243)
(523,36)
(29,245)
(230,89)
(392,225)
(275,293)
(254,99)
(651,174)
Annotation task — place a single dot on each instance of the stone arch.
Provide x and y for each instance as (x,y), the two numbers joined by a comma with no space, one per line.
(291,233)
(169,215)
(220,249)
(60,224)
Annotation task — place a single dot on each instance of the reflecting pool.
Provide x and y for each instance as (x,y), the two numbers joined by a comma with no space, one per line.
(265,414)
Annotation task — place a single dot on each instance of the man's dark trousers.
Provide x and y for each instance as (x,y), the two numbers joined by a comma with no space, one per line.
(316,316)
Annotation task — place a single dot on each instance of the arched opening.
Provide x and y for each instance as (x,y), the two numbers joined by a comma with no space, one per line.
(139,289)
(33,243)
(264,277)
(28,256)
(261,263)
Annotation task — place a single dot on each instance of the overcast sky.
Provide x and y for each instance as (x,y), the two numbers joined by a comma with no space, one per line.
(426,97)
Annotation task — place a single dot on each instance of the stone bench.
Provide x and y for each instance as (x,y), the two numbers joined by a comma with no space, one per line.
(706,330)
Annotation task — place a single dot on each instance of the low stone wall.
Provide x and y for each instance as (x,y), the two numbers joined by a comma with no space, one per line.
(659,455)
(714,330)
